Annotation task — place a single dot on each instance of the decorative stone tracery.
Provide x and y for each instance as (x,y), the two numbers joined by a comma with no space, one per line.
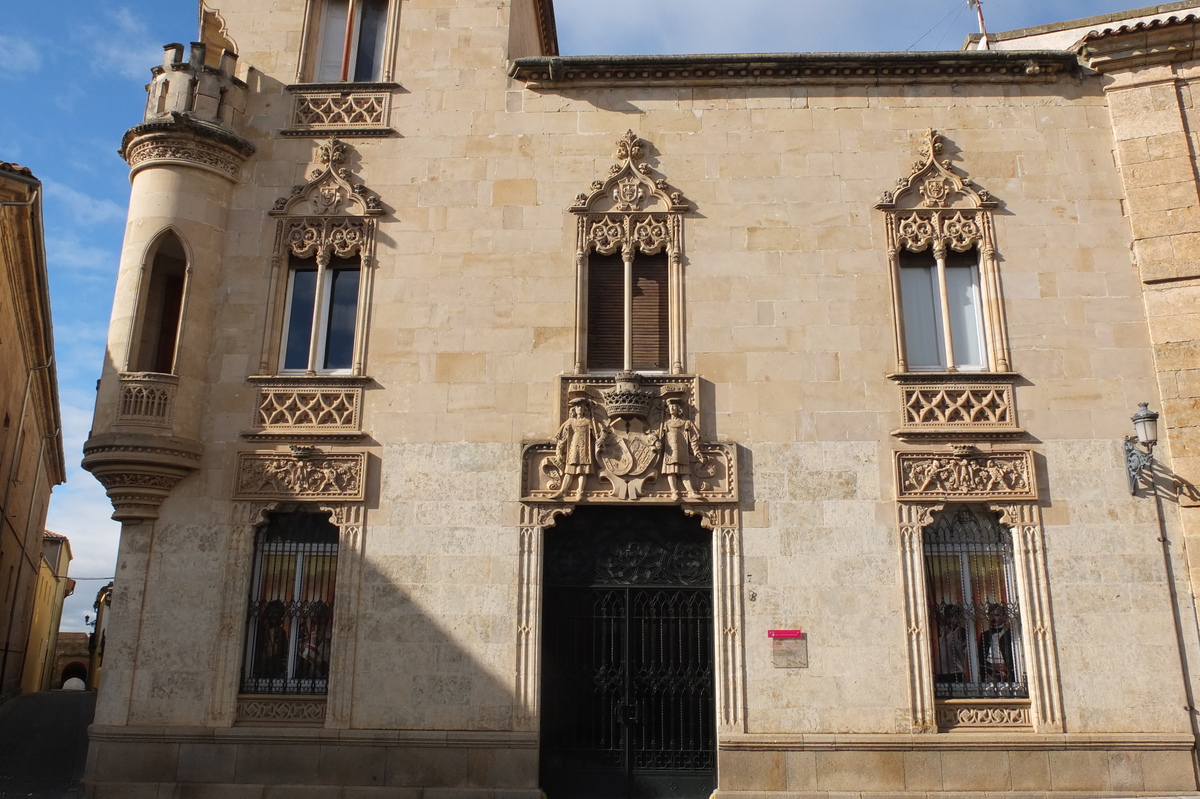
(1019,511)
(933,208)
(331,215)
(630,212)
(227,707)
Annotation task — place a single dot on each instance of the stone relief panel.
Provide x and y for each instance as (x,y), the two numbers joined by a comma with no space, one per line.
(965,473)
(629,437)
(304,473)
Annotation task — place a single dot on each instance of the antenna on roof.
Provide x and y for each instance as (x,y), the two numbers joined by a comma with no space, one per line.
(983,37)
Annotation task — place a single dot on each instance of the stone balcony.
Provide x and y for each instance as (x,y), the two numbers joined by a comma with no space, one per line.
(139,460)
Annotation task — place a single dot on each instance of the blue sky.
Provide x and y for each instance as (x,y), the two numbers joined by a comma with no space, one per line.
(72,75)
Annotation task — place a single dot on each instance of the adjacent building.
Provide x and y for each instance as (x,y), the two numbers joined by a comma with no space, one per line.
(53,588)
(31,451)
(489,422)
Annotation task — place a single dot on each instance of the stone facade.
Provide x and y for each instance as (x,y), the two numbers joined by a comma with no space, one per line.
(471,188)
(31,452)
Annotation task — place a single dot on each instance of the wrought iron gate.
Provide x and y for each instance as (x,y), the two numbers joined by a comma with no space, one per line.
(627,663)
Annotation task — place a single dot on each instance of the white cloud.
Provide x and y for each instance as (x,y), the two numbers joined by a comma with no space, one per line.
(83,209)
(135,51)
(68,252)
(18,57)
(80,511)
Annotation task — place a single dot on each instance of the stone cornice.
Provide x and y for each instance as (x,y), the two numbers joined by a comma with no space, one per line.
(1147,43)
(974,66)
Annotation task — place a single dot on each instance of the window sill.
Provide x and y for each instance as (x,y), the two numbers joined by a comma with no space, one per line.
(953,377)
(343,86)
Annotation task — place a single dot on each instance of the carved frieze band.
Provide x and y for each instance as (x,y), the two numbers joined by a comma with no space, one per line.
(965,475)
(317,110)
(983,716)
(146,399)
(256,710)
(288,408)
(305,473)
(629,437)
(941,406)
(194,152)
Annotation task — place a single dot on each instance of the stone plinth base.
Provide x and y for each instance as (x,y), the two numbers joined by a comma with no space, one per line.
(932,766)
(272,763)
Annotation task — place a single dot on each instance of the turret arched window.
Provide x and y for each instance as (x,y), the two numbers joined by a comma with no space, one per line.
(160,307)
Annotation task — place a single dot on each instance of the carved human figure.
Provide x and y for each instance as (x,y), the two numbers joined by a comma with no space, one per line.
(575,448)
(681,450)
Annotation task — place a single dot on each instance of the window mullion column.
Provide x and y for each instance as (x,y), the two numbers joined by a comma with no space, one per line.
(627,357)
(319,300)
(348,45)
(939,252)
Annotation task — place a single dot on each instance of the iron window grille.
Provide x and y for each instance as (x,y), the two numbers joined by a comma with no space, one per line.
(289,622)
(974,610)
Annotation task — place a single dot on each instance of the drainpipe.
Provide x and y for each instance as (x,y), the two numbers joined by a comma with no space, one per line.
(1176,614)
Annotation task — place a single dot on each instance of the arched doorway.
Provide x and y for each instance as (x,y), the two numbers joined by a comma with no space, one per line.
(627,656)
(74,669)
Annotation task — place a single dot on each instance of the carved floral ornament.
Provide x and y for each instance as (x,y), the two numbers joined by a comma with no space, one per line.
(329,190)
(626,438)
(631,210)
(934,206)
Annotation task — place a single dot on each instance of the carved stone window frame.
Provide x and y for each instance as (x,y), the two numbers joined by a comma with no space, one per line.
(934,208)
(730,660)
(1043,711)
(327,216)
(630,212)
(228,707)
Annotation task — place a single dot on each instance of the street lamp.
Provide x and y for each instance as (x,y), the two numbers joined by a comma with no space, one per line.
(1145,424)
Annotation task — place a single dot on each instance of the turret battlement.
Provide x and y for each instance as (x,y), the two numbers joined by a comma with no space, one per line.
(190,87)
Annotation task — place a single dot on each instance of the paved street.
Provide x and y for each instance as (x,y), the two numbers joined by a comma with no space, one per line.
(43,743)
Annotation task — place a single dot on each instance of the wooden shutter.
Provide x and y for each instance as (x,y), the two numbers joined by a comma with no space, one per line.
(605,312)
(650,309)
